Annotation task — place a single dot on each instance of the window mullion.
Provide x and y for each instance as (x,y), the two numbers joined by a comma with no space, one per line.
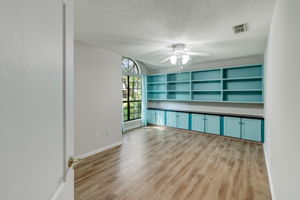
(128,97)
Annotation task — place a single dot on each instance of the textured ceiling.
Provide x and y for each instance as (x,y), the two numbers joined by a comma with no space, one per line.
(145,29)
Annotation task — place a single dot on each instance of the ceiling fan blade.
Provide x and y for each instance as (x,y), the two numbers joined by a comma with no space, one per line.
(198,54)
(165,60)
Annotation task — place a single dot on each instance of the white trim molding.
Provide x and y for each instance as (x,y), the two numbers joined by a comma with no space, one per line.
(269,174)
(85,155)
(129,125)
(59,190)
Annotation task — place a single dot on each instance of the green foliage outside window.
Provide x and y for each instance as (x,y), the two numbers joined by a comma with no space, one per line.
(132,97)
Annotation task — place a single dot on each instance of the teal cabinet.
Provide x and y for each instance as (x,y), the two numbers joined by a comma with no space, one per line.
(171,119)
(156,117)
(151,116)
(198,122)
(182,120)
(160,117)
(178,119)
(206,123)
(212,124)
(244,128)
(238,127)
(232,127)
(251,129)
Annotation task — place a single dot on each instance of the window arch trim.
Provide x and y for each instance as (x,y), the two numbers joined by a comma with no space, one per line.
(130,67)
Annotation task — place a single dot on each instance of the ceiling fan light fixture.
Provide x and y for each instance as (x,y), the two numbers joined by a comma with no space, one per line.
(173,59)
(185,59)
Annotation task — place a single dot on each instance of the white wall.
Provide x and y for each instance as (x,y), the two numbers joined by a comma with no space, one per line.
(32,147)
(143,67)
(98,98)
(282,107)
(251,109)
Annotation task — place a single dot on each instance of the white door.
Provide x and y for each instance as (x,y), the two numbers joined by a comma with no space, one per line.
(36,111)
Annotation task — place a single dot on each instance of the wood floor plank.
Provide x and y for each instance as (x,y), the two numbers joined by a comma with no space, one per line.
(160,163)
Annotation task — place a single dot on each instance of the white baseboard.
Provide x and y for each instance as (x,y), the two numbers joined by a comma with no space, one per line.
(269,175)
(132,124)
(99,150)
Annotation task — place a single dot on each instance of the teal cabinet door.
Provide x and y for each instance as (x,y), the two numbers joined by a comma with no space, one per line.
(212,124)
(160,117)
(251,129)
(198,122)
(183,120)
(151,116)
(232,127)
(171,119)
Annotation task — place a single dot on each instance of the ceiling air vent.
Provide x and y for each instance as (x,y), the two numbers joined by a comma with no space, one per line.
(240,28)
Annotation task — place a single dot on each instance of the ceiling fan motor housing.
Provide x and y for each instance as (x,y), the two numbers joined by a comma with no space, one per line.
(179,49)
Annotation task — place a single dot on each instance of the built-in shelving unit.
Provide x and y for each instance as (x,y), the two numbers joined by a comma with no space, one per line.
(206,85)
(242,84)
(156,87)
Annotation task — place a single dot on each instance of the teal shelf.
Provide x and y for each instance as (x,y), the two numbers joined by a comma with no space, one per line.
(184,76)
(206,86)
(156,78)
(207,96)
(179,86)
(243,90)
(253,102)
(178,90)
(179,95)
(206,74)
(150,83)
(178,82)
(158,86)
(244,78)
(242,84)
(243,96)
(242,72)
(157,99)
(158,95)
(206,90)
(207,80)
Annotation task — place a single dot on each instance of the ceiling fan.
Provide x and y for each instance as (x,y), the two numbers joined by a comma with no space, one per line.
(182,55)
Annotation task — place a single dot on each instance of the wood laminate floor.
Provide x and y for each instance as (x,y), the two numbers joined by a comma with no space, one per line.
(160,163)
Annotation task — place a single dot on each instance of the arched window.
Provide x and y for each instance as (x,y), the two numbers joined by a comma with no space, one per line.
(132,90)
(129,67)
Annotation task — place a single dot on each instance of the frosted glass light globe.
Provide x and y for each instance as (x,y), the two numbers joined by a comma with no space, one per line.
(173,60)
(185,59)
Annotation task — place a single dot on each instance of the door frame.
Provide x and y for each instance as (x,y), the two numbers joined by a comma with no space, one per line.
(65,189)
